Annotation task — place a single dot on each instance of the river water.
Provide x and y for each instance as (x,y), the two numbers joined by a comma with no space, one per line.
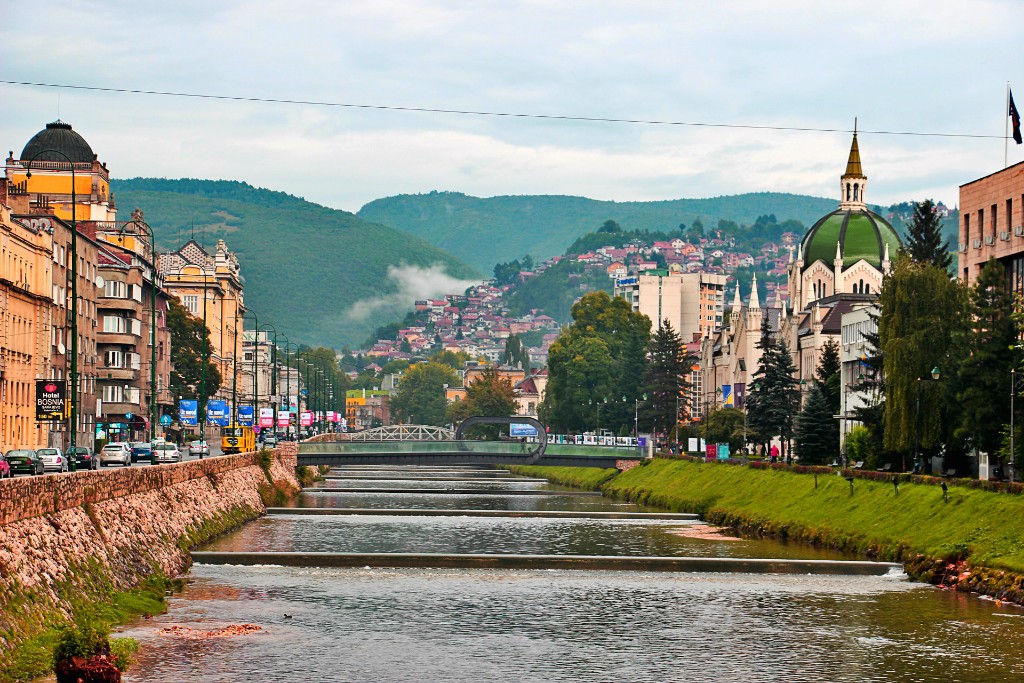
(493,625)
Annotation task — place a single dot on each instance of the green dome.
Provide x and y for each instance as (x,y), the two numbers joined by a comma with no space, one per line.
(862,234)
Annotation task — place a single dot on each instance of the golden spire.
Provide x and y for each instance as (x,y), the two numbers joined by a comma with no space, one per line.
(853,165)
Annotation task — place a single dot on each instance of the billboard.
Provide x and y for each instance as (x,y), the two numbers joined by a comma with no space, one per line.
(245,415)
(516,429)
(266,417)
(51,400)
(188,412)
(306,418)
(217,413)
(283,418)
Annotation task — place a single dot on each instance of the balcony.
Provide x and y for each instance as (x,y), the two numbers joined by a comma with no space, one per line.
(112,410)
(116,304)
(125,338)
(125,374)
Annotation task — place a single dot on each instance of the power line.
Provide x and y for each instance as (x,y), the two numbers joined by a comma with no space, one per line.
(469,112)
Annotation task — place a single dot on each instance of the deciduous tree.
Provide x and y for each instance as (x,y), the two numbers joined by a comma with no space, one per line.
(420,398)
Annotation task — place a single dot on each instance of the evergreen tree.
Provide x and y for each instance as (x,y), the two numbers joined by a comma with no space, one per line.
(924,237)
(817,437)
(827,380)
(984,372)
(665,381)
(773,398)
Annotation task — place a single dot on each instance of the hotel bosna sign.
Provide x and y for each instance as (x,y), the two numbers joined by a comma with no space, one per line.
(51,400)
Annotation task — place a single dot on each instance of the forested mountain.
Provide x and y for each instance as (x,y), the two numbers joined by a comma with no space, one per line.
(544,225)
(319,275)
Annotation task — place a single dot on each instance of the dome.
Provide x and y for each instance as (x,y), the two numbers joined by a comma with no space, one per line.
(59,137)
(860,234)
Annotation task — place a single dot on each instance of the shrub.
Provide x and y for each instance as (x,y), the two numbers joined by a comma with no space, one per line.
(122,652)
(81,638)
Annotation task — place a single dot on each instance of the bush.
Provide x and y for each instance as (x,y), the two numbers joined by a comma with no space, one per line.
(82,638)
(122,651)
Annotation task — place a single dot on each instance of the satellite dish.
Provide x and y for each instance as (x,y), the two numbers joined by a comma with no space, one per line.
(61,348)
(100,281)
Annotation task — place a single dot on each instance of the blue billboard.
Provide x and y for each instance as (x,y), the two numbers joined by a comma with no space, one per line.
(188,412)
(245,415)
(217,413)
(515,429)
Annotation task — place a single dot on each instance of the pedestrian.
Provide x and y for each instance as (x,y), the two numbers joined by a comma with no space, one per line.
(775,453)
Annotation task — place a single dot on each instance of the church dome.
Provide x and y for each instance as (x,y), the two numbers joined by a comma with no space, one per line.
(859,234)
(57,136)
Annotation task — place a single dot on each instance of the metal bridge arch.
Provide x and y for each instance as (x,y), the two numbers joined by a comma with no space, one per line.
(404,433)
(536,453)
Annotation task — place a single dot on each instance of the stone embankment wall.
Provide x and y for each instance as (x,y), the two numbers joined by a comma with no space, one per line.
(70,539)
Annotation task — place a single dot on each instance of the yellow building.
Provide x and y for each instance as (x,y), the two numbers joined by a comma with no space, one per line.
(26,312)
(195,276)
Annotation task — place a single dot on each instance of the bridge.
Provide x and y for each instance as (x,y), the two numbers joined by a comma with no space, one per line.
(426,445)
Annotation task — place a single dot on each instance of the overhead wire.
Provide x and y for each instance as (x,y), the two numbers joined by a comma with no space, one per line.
(471,112)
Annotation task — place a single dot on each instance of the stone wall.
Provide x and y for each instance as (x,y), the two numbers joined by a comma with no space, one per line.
(73,537)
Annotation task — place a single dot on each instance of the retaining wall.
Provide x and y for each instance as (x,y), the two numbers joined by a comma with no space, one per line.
(72,538)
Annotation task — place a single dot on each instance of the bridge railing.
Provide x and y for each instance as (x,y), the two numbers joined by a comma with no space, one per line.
(509,447)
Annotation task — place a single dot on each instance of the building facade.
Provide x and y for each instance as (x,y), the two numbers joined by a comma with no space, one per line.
(992,225)
(693,303)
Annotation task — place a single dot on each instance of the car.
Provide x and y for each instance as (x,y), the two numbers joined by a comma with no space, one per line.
(199,448)
(166,452)
(5,469)
(85,459)
(120,453)
(270,441)
(52,459)
(142,450)
(24,461)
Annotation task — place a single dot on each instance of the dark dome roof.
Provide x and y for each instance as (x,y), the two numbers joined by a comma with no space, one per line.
(57,136)
(862,234)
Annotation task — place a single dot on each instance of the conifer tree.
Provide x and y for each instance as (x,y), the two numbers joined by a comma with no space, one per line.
(665,381)
(817,438)
(924,237)
(773,398)
(985,371)
(827,380)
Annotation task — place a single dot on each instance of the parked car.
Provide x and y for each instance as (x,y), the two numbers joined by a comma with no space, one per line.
(198,447)
(120,453)
(142,451)
(167,452)
(5,469)
(85,459)
(270,441)
(52,459)
(24,461)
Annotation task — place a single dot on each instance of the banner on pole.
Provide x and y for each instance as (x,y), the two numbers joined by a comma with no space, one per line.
(188,412)
(245,416)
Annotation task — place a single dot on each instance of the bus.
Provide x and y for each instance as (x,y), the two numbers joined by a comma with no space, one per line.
(236,438)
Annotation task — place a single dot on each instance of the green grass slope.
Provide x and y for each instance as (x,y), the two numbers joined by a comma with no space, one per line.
(543,226)
(305,265)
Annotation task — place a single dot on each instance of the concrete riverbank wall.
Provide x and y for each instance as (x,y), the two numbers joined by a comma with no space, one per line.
(69,540)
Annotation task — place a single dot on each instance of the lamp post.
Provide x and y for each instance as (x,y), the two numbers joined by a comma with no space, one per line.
(73,377)
(636,418)
(917,420)
(273,371)
(1012,465)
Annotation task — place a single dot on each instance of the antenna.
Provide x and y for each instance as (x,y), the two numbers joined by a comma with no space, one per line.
(854,125)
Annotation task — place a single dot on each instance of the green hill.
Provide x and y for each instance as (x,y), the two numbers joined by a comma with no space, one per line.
(544,225)
(321,276)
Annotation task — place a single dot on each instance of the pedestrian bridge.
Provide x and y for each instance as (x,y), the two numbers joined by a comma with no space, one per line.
(422,447)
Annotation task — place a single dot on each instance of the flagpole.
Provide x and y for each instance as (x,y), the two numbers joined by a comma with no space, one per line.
(1006,126)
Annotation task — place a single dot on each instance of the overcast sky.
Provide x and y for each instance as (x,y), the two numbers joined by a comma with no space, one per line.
(929,66)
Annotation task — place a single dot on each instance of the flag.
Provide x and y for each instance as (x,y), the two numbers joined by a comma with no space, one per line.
(1015,119)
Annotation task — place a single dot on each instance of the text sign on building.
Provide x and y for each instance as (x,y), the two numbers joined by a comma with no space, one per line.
(188,412)
(51,400)
(266,417)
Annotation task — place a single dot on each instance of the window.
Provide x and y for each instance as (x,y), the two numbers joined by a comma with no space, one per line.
(114,290)
(114,324)
(191,302)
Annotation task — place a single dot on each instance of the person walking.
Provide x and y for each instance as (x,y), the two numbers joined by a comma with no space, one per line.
(775,453)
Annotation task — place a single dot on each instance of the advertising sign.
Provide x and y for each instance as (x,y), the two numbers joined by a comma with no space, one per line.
(283,418)
(51,400)
(330,416)
(711,452)
(691,445)
(516,429)
(723,451)
(728,400)
(165,420)
(740,390)
(306,418)
(188,412)
(217,413)
(266,417)
(245,415)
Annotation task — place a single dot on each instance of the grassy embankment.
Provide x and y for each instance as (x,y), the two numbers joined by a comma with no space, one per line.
(915,526)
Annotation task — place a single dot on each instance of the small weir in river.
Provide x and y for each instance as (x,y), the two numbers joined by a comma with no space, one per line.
(470,574)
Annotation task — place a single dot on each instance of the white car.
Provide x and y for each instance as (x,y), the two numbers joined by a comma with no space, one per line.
(199,448)
(121,453)
(53,459)
(166,452)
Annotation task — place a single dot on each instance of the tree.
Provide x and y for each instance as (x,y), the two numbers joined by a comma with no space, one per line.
(985,371)
(420,398)
(665,381)
(515,353)
(817,440)
(490,395)
(924,237)
(453,359)
(188,336)
(773,398)
(726,425)
(827,381)
(921,314)
(610,226)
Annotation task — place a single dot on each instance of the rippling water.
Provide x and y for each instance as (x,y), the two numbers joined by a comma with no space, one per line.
(500,626)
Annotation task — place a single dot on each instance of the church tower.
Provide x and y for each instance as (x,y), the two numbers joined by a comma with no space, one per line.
(853,183)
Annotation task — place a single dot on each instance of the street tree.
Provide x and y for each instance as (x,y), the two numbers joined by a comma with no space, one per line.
(985,369)
(420,398)
(827,380)
(817,439)
(726,425)
(773,398)
(188,336)
(665,382)
(489,395)
(925,243)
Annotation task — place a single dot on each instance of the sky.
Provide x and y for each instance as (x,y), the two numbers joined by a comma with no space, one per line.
(920,67)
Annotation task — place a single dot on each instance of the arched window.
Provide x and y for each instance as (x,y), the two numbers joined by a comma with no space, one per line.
(861,290)
(867,289)
(847,191)
(856,192)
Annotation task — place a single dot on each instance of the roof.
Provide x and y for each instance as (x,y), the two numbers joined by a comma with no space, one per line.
(55,142)
(861,234)
(853,166)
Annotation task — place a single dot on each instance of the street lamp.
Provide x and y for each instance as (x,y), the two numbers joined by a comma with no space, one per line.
(917,420)
(636,419)
(273,371)
(73,420)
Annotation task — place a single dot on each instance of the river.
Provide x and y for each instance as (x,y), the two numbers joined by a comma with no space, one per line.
(496,625)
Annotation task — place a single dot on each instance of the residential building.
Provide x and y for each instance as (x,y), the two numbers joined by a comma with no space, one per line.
(693,303)
(992,225)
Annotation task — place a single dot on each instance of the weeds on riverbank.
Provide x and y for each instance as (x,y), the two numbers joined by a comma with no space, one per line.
(589,478)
